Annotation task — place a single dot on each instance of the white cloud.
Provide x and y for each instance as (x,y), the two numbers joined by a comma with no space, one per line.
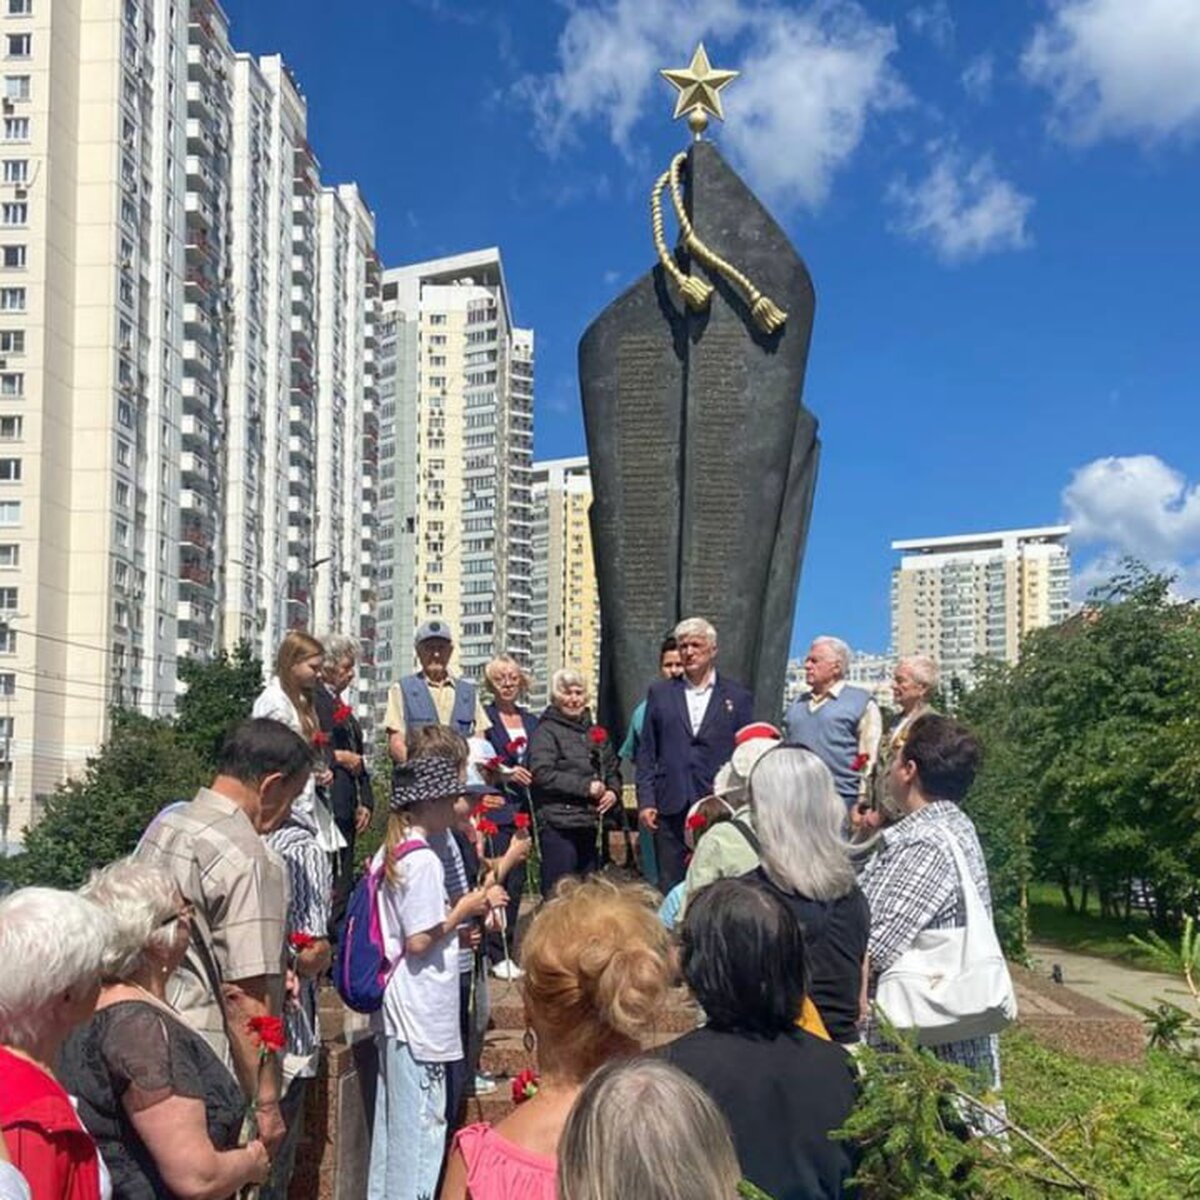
(1123,68)
(933,20)
(811,79)
(978,76)
(962,210)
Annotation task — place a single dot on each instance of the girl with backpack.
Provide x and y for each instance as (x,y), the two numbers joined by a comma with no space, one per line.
(419,1036)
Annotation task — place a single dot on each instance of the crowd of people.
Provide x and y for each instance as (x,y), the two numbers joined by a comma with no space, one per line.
(159,1028)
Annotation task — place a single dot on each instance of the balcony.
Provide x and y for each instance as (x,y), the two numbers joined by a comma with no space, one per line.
(301,209)
(196,575)
(193,533)
(199,211)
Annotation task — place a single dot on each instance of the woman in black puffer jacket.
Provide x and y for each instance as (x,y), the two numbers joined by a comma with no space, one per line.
(575,782)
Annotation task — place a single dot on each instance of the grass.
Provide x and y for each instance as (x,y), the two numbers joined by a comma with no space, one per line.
(1133,1133)
(1085,933)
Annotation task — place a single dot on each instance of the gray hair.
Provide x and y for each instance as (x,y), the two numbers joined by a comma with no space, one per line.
(798,817)
(139,897)
(565,678)
(339,647)
(922,668)
(632,1125)
(51,942)
(840,650)
(696,627)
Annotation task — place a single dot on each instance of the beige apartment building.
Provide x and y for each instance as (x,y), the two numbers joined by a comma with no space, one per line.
(566,602)
(159,235)
(976,595)
(455,380)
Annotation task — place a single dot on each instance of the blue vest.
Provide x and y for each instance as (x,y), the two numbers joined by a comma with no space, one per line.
(419,709)
(831,733)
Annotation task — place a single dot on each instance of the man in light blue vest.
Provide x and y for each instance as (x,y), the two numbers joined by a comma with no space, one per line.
(840,724)
(432,696)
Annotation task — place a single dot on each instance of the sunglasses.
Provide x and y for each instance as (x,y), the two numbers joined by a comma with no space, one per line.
(186,912)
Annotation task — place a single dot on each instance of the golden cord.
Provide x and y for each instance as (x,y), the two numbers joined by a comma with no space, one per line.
(767,315)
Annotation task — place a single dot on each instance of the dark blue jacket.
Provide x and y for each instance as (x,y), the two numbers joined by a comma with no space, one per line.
(674,767)
(516,799)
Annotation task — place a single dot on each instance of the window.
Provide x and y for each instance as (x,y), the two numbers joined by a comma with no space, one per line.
(10,470)
(122,452)
(16,170)
(8,645)
(8,599)
(10,428)
(20,45)
(10,512)
(10,554)
(121,533)
(12,341)
(16,129)
(20,8)
(12,299)
(12,383)
(8,684)
(14,256)
(16,213)
(122,492)
(16,87)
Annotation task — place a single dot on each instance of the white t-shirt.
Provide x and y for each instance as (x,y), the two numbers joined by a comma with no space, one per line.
(12,1183)
(420,1006)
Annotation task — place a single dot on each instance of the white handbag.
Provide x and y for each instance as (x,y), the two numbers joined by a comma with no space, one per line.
(951,984)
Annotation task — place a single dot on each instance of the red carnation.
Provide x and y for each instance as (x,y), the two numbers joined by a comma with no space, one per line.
(521,820)
(859,761)
(342,713)
(320,739)
(525,1086)
(598,734)
(270,1033)
(488,828)
(301,942)
(479,810)
(515,748)
(696,822)
(492,764)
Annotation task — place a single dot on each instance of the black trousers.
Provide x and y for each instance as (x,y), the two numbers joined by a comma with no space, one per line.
(514,885)
(670,850)
(567,852)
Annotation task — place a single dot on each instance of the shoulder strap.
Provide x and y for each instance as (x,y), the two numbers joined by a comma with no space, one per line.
(749,834)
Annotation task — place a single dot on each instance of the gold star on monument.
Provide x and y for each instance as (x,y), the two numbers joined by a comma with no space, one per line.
(699,90)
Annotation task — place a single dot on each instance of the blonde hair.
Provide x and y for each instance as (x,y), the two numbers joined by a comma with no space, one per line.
(295,648)
(506,662)
(642,1128)
(596,972)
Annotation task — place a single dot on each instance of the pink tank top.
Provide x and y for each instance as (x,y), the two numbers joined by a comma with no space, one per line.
(499,1170)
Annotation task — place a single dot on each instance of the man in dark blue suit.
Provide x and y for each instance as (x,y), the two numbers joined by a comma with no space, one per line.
(687,735)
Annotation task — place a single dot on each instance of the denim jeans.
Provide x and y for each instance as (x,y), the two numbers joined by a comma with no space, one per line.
(409,1135)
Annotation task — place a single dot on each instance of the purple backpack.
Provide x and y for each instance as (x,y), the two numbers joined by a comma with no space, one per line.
(362,972)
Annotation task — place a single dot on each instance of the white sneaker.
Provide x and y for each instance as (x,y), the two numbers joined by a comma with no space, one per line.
(507,970)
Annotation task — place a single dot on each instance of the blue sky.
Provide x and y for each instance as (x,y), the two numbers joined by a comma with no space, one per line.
(997,203)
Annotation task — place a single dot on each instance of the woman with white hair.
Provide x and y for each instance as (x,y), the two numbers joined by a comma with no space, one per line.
(165,1111)
(576,781)
(643,1128)
(798,818)
(914,681)
(52,945)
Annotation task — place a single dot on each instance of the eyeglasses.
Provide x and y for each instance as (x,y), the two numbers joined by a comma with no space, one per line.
(186,912)
(863,807)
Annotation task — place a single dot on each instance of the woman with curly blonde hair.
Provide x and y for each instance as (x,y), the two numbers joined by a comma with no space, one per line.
(596,973)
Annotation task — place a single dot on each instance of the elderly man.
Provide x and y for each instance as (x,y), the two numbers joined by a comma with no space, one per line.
(687,734)
(840,724)
(214,848)
(432,696)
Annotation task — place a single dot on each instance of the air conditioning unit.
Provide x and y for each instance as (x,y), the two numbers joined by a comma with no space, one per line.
(7,105)
(21,193)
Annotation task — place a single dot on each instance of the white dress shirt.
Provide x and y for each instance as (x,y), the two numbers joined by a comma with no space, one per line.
(698,699)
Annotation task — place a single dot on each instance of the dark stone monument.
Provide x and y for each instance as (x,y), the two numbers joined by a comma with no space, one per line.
(703,458)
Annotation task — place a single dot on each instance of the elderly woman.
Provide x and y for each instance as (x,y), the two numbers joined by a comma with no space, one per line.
(575,782)
(783,1090)
(350,795)
(798,818)
(644,1129)
(509,732)
(52,945)
(164,1110)
(597,975)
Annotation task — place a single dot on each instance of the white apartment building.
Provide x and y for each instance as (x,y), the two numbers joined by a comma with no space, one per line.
(566,600)
(158,225)
(455,452)
(966,596)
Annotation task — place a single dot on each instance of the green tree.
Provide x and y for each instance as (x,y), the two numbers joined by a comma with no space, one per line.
(218,694)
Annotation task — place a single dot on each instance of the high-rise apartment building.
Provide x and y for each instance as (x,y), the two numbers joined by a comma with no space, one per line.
(976,595)
(159,424)
(566,602)
(455,385)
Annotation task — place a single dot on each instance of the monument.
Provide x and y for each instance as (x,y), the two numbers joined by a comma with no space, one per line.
(703,458)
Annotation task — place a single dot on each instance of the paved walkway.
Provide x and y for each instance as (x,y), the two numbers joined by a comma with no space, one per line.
(1106,981)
